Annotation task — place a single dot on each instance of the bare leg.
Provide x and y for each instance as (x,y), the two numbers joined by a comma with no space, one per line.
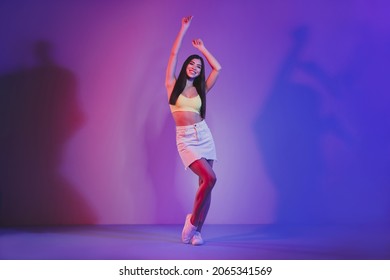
(207,180)
(206,206)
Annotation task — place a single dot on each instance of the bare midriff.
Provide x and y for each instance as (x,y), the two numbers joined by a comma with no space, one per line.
(183,118)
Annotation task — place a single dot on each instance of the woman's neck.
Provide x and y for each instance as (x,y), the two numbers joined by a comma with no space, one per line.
(189,83)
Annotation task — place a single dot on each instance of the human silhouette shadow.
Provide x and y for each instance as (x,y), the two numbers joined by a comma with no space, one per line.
(39,113)
(288,133)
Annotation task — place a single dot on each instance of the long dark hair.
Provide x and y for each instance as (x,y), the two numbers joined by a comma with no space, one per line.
(199,84)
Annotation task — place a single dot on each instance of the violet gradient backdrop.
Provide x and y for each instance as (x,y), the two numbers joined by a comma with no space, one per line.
(300,113)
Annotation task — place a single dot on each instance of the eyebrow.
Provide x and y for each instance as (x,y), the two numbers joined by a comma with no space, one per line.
(197,64)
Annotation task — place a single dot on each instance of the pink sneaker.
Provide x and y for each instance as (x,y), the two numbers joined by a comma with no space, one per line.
(188,230)
(197,239)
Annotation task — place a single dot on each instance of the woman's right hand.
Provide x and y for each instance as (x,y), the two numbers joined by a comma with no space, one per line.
(186,21)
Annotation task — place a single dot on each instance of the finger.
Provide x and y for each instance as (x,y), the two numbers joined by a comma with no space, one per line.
(188,19)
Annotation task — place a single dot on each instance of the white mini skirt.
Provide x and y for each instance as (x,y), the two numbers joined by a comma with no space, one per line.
(195,142)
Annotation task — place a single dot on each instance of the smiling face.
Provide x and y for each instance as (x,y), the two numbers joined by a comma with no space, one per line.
(194,68)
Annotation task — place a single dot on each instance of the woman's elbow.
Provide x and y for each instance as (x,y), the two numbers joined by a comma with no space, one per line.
(218,68)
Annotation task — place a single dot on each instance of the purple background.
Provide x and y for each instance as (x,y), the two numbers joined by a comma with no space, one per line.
(299,115)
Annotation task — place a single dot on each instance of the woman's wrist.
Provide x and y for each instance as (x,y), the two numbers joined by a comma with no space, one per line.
(184,28)
(203,50)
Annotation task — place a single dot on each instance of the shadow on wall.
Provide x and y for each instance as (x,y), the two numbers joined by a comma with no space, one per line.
(39,113)
(288,133)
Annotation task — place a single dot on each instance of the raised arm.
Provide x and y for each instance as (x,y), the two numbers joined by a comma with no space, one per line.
(215,66)
(170,78)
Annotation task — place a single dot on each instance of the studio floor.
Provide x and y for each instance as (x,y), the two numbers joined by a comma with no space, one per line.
(223,242)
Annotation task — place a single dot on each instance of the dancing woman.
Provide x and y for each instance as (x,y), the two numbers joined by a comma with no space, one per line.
(187,99)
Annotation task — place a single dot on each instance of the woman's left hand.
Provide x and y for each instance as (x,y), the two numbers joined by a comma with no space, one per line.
(198,43)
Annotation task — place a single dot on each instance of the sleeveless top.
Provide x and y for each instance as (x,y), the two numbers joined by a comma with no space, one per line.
(183,103)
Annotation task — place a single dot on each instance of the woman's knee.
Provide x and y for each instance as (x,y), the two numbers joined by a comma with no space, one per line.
(210,180)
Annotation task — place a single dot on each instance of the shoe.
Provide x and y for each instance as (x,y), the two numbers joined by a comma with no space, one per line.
(197,239)
(188,230)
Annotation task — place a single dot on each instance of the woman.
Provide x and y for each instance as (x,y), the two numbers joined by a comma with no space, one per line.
(187,99)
